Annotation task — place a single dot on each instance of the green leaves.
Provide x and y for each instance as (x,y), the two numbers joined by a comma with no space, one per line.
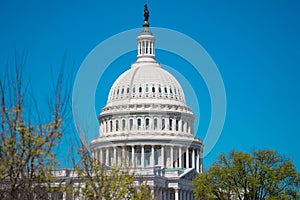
(263,175)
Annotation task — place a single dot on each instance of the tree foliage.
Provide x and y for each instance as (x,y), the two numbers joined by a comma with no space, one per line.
(99,181)
(262,175)
(27,139)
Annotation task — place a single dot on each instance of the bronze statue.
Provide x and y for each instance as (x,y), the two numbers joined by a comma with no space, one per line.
(146,13)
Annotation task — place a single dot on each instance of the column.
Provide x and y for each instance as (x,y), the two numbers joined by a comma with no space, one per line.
(167,124)
(180,157)
(163,156)
(184,126)
(142,156)
(101,155)
(132,156)
(160,193)
(152,156)
(184,195)
(107,157)
(164,195)
(188,195)
(198,161)
(176,194)
(187,158)
(115,155)
(180,194)
(175,158)
(134,119)
(193,158)
(173,124)
(152,192)
(123,159)
(171,156)
(180,125)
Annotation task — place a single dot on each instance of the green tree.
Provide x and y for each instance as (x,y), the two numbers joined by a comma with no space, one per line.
(262,175)
(27,138)
(99,181)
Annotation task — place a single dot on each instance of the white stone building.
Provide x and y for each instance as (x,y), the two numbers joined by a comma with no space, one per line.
(147,126)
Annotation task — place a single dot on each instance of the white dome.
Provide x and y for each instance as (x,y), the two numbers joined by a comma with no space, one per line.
(146,82)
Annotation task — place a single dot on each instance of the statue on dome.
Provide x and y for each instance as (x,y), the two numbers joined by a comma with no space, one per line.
(146,13)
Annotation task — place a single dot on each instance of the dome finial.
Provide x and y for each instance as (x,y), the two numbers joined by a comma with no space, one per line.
(146,16)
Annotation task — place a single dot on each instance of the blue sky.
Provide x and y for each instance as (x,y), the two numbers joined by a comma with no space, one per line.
(255,45)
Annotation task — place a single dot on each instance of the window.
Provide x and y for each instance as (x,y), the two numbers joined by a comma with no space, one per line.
(117,91)
(139,123)
(159,89)
(133,90)
(177,121)
(146,88)
(166,91)
(187,127)
(123,124)
(131,124)
(147,123)
(155,123)
(140,89)
(170,124)
(170,90)
(122,92)
(175,91)
(163,123)
(153,89)
(127,90)
(117,125)
(111,126)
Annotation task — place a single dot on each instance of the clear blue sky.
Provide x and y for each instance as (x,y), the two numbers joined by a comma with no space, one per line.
(255,44)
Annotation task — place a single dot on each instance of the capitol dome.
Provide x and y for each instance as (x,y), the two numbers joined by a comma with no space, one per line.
(147,126)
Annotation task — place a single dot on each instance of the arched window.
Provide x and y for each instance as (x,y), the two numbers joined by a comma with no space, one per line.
(159,89)
(139,123)
(123,124)
(146,88)
(155,123)
(117,125)
(147,123)
(171,91)
(111,126)
(131,124)
(153,89)
(187,127)
(163,123)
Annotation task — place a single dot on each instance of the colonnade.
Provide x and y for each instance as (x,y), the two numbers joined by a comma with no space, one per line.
(144,155)
(162,193)
(146,47)
(168,124)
